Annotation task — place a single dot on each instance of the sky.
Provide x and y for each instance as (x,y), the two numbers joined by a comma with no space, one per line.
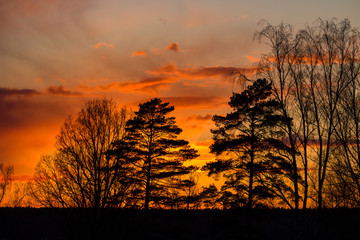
(57,54)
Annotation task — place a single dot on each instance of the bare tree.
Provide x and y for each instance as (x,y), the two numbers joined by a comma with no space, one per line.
(328,47)
(18,195)
(277,68)
(82,173)
(6,173)
(314,75)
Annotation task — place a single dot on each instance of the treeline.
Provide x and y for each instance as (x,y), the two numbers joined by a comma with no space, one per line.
(291,140)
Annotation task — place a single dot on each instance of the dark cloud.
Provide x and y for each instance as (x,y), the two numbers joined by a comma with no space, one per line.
(21,113)
(52,90)
(4,92)
(219,71)
(200,117)
(173,47)
(203,72)
(61,91)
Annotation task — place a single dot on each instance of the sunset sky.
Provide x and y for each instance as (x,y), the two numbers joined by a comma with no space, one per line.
(56,54)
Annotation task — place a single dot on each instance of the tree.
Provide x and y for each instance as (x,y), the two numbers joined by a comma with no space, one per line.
(279,66)
(247,143)
(6,173)
(315,77)
(152,145)
(81,172)
(327,47)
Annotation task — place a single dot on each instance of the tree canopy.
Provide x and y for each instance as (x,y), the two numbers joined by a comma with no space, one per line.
(152,145)
(81,173)
(247,142)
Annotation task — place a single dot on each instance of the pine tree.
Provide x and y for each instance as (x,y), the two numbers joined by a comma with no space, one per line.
(247,143)
(153,146)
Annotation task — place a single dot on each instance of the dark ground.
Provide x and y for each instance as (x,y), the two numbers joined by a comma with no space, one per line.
(27,223)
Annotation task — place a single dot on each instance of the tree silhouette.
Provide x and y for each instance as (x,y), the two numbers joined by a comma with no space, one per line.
(247,145)
(81,172)
(152,145)
(6,173)
(278,68)
(315,76)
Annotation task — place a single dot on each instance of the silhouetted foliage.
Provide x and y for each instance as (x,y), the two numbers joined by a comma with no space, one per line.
(247,145)
(152,146)
(81,173)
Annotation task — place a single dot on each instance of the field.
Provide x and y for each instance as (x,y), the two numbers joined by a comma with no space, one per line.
(27,223)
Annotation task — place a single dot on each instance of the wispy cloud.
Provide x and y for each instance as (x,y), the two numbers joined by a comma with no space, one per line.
(205,143)
(206,117)
(100,44)
(51,90)
(139,53)
(206,102)
(61,91)
(161,78)
(173,47)
(146,85)
(202,72)
(18,92)
(253,58)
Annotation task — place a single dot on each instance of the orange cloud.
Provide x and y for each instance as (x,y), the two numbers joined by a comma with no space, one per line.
(146,85)
(173,47)
(205,143)
(60,90)
(207,102)
(157,51)
(103,44)
(139,53)
(207,117)
(253,59)
(162,77)
(202,72)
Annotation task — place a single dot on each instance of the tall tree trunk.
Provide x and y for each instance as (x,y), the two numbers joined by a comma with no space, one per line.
(148,179)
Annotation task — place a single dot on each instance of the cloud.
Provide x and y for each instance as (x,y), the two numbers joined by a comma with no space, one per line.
(61,91)
(162,78)
(157,51)
(103,44)
(253,59)
(190,102)
(206,117)
(173,47)
(202,72)
(219,71)
(139,53)
(205,143)
(145,85)
(52,90)
(18,92)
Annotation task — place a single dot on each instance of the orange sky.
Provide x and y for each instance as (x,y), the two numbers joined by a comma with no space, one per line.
(56,54)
